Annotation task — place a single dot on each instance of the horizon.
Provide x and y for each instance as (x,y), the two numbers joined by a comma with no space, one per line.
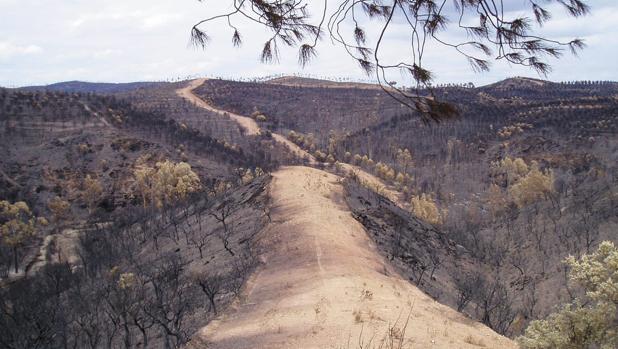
(264,79)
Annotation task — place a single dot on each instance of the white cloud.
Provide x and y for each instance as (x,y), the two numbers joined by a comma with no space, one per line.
(145,20)
(120,40)
(106,53)
(10,50)
(159,20)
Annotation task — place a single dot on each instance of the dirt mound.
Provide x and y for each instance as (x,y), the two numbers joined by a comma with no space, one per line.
(323,283)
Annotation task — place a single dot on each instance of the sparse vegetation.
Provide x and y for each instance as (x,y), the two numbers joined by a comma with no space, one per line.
(589,322)
(165,183)
(425,208)
(518,183)
(18,226)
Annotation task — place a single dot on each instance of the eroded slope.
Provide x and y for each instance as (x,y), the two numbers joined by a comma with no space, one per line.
(323,284)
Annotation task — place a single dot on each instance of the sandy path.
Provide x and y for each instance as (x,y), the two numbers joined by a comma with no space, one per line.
(252,128)
(323,282)
(376,183)
(249,125)
(88,109)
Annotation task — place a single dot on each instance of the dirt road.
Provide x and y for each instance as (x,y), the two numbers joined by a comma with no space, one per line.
(249,125)
(324,284)
(252,128)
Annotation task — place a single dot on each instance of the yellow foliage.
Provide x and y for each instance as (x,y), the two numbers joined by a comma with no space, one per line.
(532,187)
(83,148)
(17,225)
(59,208)
(144,183)
(221,187)
(320,155)
(247,177)
(400,178)
(258,172)
(18,222)
(166,182)
(514,169)
(126,281)
(583,324)
(525,184)
(390,174)
(364,160)
(404,158)
(381,169)
(519,127)
(293,136)
(92,190)
(425,208)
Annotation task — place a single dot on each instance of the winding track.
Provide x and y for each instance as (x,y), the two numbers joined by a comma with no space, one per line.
(247,124)
(250,127)
(323,283)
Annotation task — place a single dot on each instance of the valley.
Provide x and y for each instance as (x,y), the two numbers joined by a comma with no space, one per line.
(321,275)
(299,213)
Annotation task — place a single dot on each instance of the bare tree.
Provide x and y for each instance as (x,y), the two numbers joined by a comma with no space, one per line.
(493,305)
(509,38)
(222,213)
(531,299)
(212,286)
(466,285)
(171,302)
(199,239)
(241,270)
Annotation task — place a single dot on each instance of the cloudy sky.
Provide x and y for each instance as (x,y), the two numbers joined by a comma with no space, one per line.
(46,41)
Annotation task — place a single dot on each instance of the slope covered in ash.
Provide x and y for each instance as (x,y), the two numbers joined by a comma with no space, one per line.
(109,271)
(561,133)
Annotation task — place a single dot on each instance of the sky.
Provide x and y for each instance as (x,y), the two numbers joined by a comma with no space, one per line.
(47,41)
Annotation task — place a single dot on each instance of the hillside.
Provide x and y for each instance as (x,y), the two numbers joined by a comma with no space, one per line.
(323,283)
(84,150)
(96,87)
(519,83)
(568,129)
(291,316)
(309,82)
(325,215)
(305,109)
(55,137)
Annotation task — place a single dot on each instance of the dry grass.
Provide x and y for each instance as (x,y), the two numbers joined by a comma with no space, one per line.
(394,338)
(474,341)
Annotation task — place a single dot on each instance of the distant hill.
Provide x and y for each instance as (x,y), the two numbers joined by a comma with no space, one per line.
(97,87)
(519,82)
(309,82)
